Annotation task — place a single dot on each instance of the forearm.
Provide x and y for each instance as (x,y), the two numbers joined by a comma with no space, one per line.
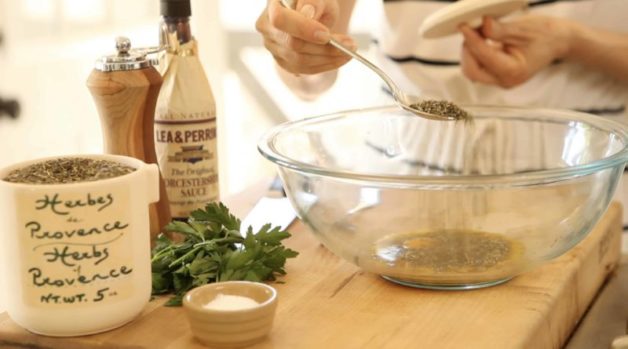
(599,49)
(307,87)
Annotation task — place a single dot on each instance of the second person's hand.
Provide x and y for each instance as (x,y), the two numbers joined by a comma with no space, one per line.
(507,54)
(298,38)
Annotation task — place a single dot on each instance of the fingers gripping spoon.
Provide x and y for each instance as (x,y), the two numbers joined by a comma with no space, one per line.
(413,104)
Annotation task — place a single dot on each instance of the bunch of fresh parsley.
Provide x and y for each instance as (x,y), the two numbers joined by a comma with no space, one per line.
(214,250)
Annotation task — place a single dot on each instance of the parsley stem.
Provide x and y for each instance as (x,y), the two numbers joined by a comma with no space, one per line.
(182,258)
(161,253)
(227,240)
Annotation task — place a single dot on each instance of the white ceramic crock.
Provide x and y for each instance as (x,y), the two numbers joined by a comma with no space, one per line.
(76,256)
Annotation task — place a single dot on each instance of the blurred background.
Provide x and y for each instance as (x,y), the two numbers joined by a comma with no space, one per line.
(48,49)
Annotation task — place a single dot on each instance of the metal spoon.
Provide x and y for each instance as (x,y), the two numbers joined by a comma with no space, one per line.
(402,99)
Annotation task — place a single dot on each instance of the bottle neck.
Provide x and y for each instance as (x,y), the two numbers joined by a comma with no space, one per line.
(180,25)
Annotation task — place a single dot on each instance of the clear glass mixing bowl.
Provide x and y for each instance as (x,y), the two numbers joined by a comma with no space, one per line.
(449,205)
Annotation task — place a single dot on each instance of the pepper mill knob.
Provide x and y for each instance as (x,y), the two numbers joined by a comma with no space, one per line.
(123,45)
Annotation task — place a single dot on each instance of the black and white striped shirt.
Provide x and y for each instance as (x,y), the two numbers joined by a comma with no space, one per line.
(432,66)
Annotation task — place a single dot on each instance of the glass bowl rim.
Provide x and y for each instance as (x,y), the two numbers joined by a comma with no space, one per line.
(266,146)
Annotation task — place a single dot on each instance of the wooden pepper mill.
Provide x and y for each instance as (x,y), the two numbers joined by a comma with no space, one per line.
(125,87)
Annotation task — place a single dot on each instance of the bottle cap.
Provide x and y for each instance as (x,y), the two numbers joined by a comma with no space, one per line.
(176,8)
(126,58)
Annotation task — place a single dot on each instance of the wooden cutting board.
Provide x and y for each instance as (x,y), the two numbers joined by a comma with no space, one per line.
(328,303)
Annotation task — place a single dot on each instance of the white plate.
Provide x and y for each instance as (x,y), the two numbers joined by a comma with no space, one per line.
(446,20)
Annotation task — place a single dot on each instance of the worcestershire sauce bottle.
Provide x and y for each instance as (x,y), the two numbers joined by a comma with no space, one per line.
(185,117)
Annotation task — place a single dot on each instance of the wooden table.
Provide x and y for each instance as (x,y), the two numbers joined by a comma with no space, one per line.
(328,303)
(607,318)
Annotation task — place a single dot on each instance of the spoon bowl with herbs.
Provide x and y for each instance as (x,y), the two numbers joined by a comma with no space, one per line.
(449,205)
(440,110)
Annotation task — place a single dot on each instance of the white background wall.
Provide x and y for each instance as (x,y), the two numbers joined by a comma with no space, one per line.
(50,47)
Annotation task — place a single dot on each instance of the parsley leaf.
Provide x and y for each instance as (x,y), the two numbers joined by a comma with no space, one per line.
(214,250)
